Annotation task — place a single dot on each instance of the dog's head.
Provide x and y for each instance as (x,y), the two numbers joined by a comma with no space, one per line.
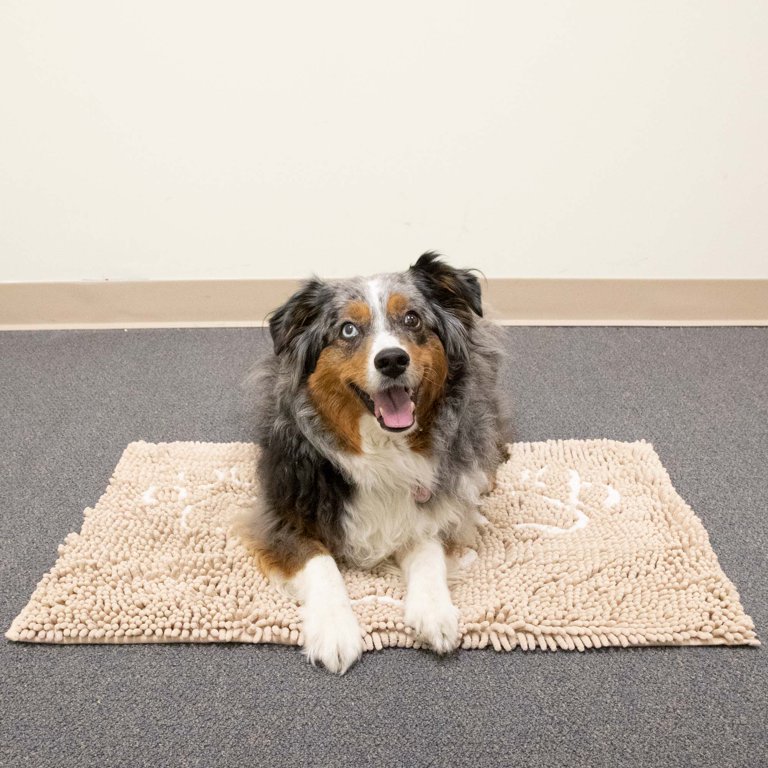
(382,348)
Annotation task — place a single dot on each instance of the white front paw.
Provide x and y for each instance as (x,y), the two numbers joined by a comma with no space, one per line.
(332,636)
(435,620)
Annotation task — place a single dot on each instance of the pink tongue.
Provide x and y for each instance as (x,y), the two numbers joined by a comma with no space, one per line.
(395,407)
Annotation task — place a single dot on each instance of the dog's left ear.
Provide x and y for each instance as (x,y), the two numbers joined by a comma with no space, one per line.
(457,290)
(455,297)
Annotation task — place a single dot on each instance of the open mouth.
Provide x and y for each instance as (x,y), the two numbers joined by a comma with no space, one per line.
(394,408)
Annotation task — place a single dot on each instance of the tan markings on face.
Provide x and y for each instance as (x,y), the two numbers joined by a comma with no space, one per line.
(339,407)
(358,312)
(431,365)
(397,305)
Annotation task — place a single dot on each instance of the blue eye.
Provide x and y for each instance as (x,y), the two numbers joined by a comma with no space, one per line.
(349,331)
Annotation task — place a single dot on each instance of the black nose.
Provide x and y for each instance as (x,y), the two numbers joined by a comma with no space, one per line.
(392,361)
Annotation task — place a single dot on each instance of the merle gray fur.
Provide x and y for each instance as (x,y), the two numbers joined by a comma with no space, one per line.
(304,488)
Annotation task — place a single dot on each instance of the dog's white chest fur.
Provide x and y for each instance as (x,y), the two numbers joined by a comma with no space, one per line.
(383,516)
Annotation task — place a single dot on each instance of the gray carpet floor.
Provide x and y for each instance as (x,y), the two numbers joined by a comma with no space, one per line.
(71,400)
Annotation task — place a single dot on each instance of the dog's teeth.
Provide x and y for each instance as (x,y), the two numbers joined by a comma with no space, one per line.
(376,411)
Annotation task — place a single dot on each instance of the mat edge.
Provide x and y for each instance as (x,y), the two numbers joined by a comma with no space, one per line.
(524,641)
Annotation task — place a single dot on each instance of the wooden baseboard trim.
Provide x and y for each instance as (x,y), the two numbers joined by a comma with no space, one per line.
(511,301)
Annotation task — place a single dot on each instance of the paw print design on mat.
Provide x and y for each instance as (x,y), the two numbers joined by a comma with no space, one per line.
(203,492)
(560,500)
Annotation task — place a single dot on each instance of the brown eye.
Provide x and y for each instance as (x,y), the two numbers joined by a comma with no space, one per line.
(411,320)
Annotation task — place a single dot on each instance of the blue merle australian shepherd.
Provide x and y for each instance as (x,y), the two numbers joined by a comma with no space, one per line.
(380,425)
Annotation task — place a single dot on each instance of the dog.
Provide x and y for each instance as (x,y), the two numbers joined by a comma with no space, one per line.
(380,426)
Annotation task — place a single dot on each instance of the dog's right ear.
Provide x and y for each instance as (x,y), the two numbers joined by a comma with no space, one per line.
(298,314)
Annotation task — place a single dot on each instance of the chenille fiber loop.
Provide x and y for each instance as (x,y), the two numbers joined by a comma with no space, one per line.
(581,544)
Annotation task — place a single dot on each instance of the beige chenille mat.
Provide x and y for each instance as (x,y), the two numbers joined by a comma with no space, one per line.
(582,544)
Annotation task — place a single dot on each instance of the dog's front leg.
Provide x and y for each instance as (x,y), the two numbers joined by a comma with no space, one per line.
(428,606)
(330,628)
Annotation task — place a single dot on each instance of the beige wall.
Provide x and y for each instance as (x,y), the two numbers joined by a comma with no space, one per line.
(160,140)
